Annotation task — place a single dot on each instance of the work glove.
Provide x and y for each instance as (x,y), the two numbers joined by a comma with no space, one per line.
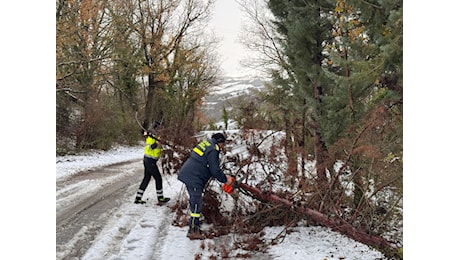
(147,133)
(230,186)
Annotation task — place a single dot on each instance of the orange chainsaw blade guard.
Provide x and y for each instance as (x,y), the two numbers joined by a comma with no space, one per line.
(229,188)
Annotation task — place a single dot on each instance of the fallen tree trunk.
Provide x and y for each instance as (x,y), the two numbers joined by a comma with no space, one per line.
(340,226)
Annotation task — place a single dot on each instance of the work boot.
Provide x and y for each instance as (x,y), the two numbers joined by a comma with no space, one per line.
(162,200)
(139,201)
(195,233)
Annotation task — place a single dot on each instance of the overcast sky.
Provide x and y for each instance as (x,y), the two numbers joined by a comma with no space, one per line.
(226,23)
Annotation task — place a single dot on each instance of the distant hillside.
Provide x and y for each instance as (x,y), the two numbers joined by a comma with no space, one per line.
(226,93)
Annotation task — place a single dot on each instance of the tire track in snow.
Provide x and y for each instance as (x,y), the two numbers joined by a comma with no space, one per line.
(150,237)
(101,222)
(83,207)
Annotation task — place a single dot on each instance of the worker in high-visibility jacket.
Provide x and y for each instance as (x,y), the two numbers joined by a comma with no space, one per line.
(202,164)
(152,153)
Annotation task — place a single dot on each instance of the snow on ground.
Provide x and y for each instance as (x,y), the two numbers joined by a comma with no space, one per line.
(71,164)
(139,232)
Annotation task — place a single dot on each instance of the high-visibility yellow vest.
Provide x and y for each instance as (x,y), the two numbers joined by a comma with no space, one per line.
(152,148)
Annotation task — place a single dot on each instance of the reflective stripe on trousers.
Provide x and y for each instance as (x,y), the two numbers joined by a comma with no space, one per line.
(196,204)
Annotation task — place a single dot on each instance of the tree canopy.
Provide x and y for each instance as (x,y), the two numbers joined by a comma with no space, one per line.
(118,62)
(337,93)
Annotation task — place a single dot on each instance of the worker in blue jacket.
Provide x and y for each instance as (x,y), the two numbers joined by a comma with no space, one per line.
(202,164)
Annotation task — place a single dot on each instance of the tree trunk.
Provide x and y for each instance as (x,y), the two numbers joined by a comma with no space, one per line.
(338,225)
(320,146)
(320,156)
(152,85)
(289,146)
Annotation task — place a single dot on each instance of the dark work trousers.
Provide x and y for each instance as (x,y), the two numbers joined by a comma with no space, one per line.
(151,169)
(196,203)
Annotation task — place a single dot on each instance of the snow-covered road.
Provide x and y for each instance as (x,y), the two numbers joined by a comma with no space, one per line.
(96,219)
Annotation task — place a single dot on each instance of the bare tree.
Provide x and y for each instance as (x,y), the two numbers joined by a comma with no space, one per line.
(260,37)
(82,51)
(162,27)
